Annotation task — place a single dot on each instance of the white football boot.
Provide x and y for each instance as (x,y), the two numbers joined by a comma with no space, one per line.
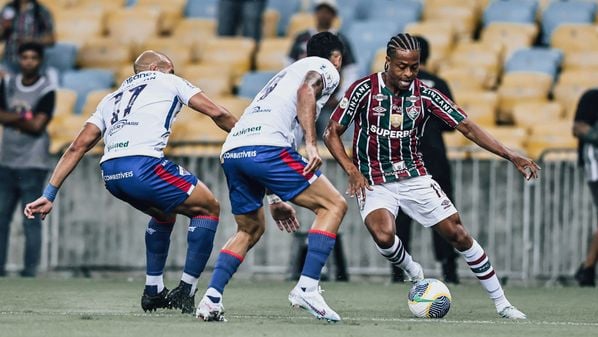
(313,302)
(511,312)
(207,310)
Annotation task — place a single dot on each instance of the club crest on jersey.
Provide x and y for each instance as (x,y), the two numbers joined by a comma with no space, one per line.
(396,120)
(380,110)
(413,111)
(344,103)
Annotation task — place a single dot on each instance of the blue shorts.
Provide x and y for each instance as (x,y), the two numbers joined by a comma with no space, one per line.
(148,182)
(250,170)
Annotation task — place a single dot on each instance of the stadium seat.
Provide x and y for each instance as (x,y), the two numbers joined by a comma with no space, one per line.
(180,54)
(572,37)
(526,115)
(469,54)
(201,9)
(368,36)
(78,25)
(482,114)
(560,12)
(195,72)
(169,15)
(546,60)
(104,5)
(86,80)
(229,51)
(286,9)
(521,86)
(379,60)
(511,36)
(192,127)
(133,25)
(104,53)
(123,73)
(470,99)
(270,20)
(63,129)
(65,101)
(578,60)
(440,36)
(510,11)
(61,56)
(253,82)
(571,85)
(195,32)
(401,11)
(272,54)
(464,78)
(512,137)
(465,18)
(546,135)
(92,100)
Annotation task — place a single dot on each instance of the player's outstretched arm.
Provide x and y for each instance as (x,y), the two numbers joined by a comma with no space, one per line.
(87,139)
(357,182)
(220,115)
(476,134)
(307,95)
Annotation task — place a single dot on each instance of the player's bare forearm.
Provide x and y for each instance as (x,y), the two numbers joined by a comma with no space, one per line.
(220,115)
(8,117)
(485,140)
(85,141)
(332,139)
(225,121)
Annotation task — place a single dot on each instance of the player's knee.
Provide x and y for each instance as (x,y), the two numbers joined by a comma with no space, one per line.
(384,238)
(209,207)
(339,206)
(460,238)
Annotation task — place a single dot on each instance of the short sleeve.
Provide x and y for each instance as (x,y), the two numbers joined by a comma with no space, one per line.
(331,77)
(352,101)
(442,107)
(97,119)
(184,89)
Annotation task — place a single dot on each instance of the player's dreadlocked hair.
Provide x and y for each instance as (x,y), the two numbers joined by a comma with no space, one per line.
(402,41)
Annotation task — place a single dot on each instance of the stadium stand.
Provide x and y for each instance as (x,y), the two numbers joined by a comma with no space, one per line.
(511,11)
(253,82)
(272,54)
(560,12)
(201,8)
(61,56)
(84,81)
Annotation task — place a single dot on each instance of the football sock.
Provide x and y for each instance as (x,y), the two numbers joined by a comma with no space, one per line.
(157,241)
(482,268)
(319,246)
(200,241)
(226,265)
(398,256)
(190,282)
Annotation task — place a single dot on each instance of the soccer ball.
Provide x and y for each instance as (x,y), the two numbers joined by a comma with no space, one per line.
(429,298)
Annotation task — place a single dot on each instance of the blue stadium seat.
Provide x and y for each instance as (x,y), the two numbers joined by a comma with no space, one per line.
(559,12)
(546,60)
(286,8)
(253,82)
(86,80)
(369,36)
(201,9)
(402,11)
(515,11)
(61,56)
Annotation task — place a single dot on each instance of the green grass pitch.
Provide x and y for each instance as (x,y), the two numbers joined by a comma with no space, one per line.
(50,307)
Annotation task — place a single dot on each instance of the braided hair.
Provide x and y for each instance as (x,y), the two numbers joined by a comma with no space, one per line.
(402,41)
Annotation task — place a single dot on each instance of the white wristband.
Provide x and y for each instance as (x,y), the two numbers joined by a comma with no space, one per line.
(273,199)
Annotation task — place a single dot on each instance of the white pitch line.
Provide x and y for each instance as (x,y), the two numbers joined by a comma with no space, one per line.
(362,319)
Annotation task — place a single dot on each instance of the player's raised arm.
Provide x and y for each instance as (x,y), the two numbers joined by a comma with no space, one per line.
(85,140)
(476,134)
(307,95)
(220,115)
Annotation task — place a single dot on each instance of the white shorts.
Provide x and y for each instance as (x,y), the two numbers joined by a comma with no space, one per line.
(420,197)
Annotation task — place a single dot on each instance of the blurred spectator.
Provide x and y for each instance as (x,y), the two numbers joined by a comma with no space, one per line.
(585,127)
(241,14)
(434,154)
(26,107)
(24,21)
(325,12)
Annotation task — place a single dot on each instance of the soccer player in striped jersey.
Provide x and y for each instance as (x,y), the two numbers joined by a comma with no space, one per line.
(260,153)
(135,122)
(390,109)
